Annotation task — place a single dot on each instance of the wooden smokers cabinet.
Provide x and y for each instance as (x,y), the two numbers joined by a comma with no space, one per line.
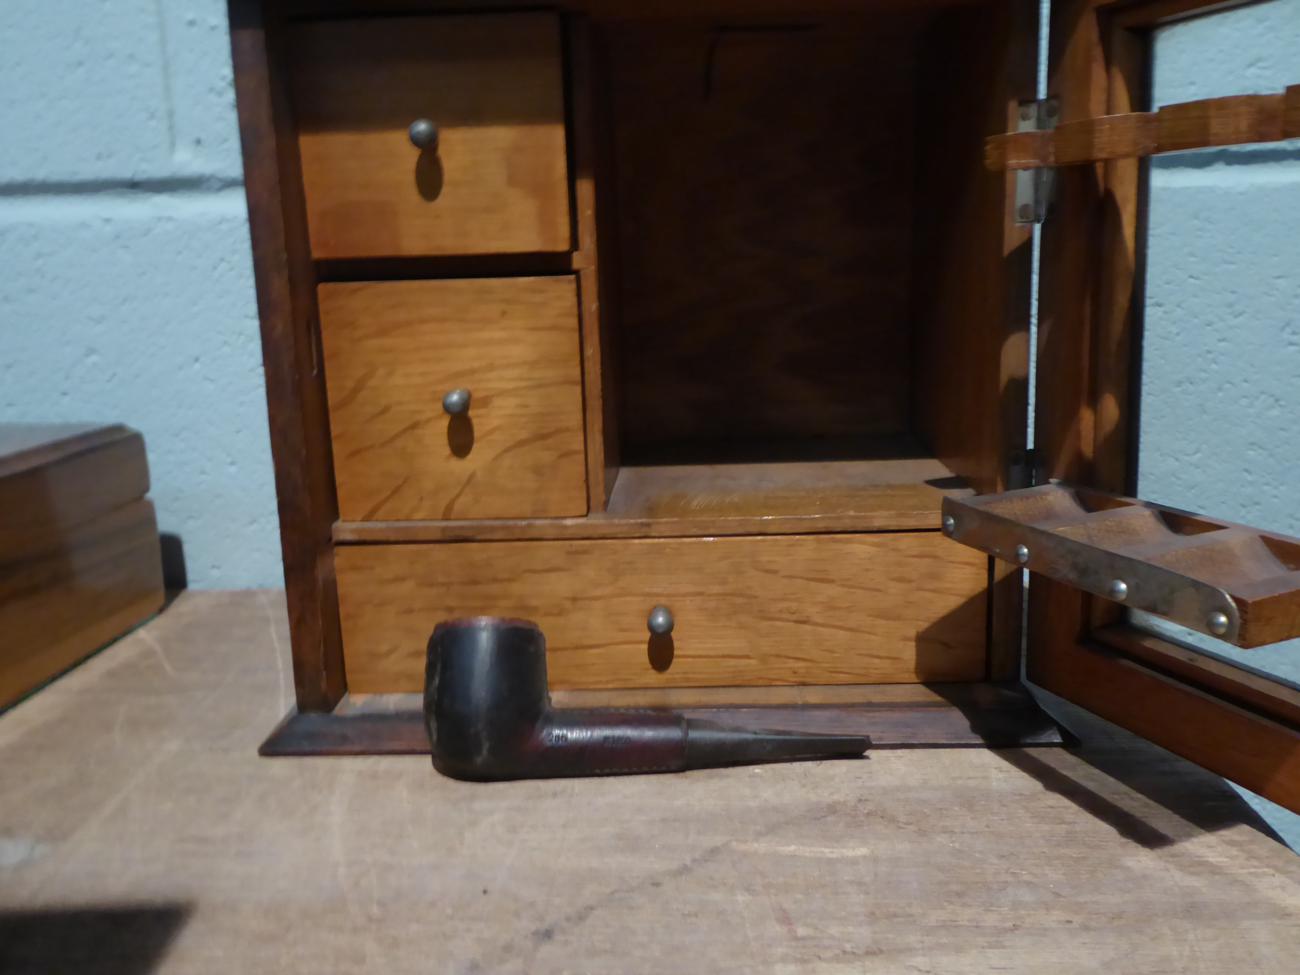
(723,307)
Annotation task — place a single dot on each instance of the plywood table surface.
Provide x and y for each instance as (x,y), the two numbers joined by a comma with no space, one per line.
(139,832)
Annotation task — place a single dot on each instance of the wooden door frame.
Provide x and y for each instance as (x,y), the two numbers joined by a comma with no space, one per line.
(1091,295)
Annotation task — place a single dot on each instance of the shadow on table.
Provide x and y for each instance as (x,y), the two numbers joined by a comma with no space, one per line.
(1146,794)
(119,940)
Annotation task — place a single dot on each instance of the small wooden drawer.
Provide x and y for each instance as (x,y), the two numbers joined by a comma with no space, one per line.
(496,180)
(793,609)
(394,349)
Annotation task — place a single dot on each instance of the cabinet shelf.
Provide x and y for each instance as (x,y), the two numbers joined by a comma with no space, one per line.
(683,500)
(908,489)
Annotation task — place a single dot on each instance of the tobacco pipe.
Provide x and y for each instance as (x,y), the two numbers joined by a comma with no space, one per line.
(489,716)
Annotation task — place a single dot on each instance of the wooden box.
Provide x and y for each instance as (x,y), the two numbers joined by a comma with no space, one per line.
(80,561)
(724,307)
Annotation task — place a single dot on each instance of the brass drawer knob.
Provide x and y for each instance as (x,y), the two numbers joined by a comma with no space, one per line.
(660,621)
(423,133)
(456,403)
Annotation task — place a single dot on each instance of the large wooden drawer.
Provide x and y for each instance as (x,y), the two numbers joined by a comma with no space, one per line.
(394,348)
(827,609)
(497,179)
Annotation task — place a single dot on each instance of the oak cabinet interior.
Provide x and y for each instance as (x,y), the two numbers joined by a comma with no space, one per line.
(576,312)
(771,238)
(738,332)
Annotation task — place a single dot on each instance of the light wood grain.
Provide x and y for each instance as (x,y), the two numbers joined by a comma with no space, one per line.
(497,181)
(772,490)
(784,610)
(100,578)
(393,348)
(887,508)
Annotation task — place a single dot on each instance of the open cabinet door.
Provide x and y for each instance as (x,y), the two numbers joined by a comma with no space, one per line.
(1093,554)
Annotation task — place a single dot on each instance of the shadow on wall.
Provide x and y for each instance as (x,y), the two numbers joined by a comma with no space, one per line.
(118,940)
(175,576)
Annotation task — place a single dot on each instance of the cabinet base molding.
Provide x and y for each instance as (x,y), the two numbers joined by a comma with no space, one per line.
(980,715)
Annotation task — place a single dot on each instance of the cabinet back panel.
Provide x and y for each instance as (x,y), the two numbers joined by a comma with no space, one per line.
(764,213)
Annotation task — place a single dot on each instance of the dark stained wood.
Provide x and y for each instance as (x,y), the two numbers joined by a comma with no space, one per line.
(27,446)
(316,734)
(88,582)
(80,562)
(1133,14)
(972,715)
(453,266)
(585,91)
(764,200)
(290,353)
(56,476)
(971,349)
(1229,121)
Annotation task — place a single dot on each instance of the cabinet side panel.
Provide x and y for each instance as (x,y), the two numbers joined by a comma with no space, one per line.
(295,395)
(972,295)
(971,301)
(1065,429)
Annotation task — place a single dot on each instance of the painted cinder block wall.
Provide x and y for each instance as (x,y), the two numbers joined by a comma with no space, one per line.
(127,288)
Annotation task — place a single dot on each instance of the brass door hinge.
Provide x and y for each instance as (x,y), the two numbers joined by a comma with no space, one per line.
(1034,186)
